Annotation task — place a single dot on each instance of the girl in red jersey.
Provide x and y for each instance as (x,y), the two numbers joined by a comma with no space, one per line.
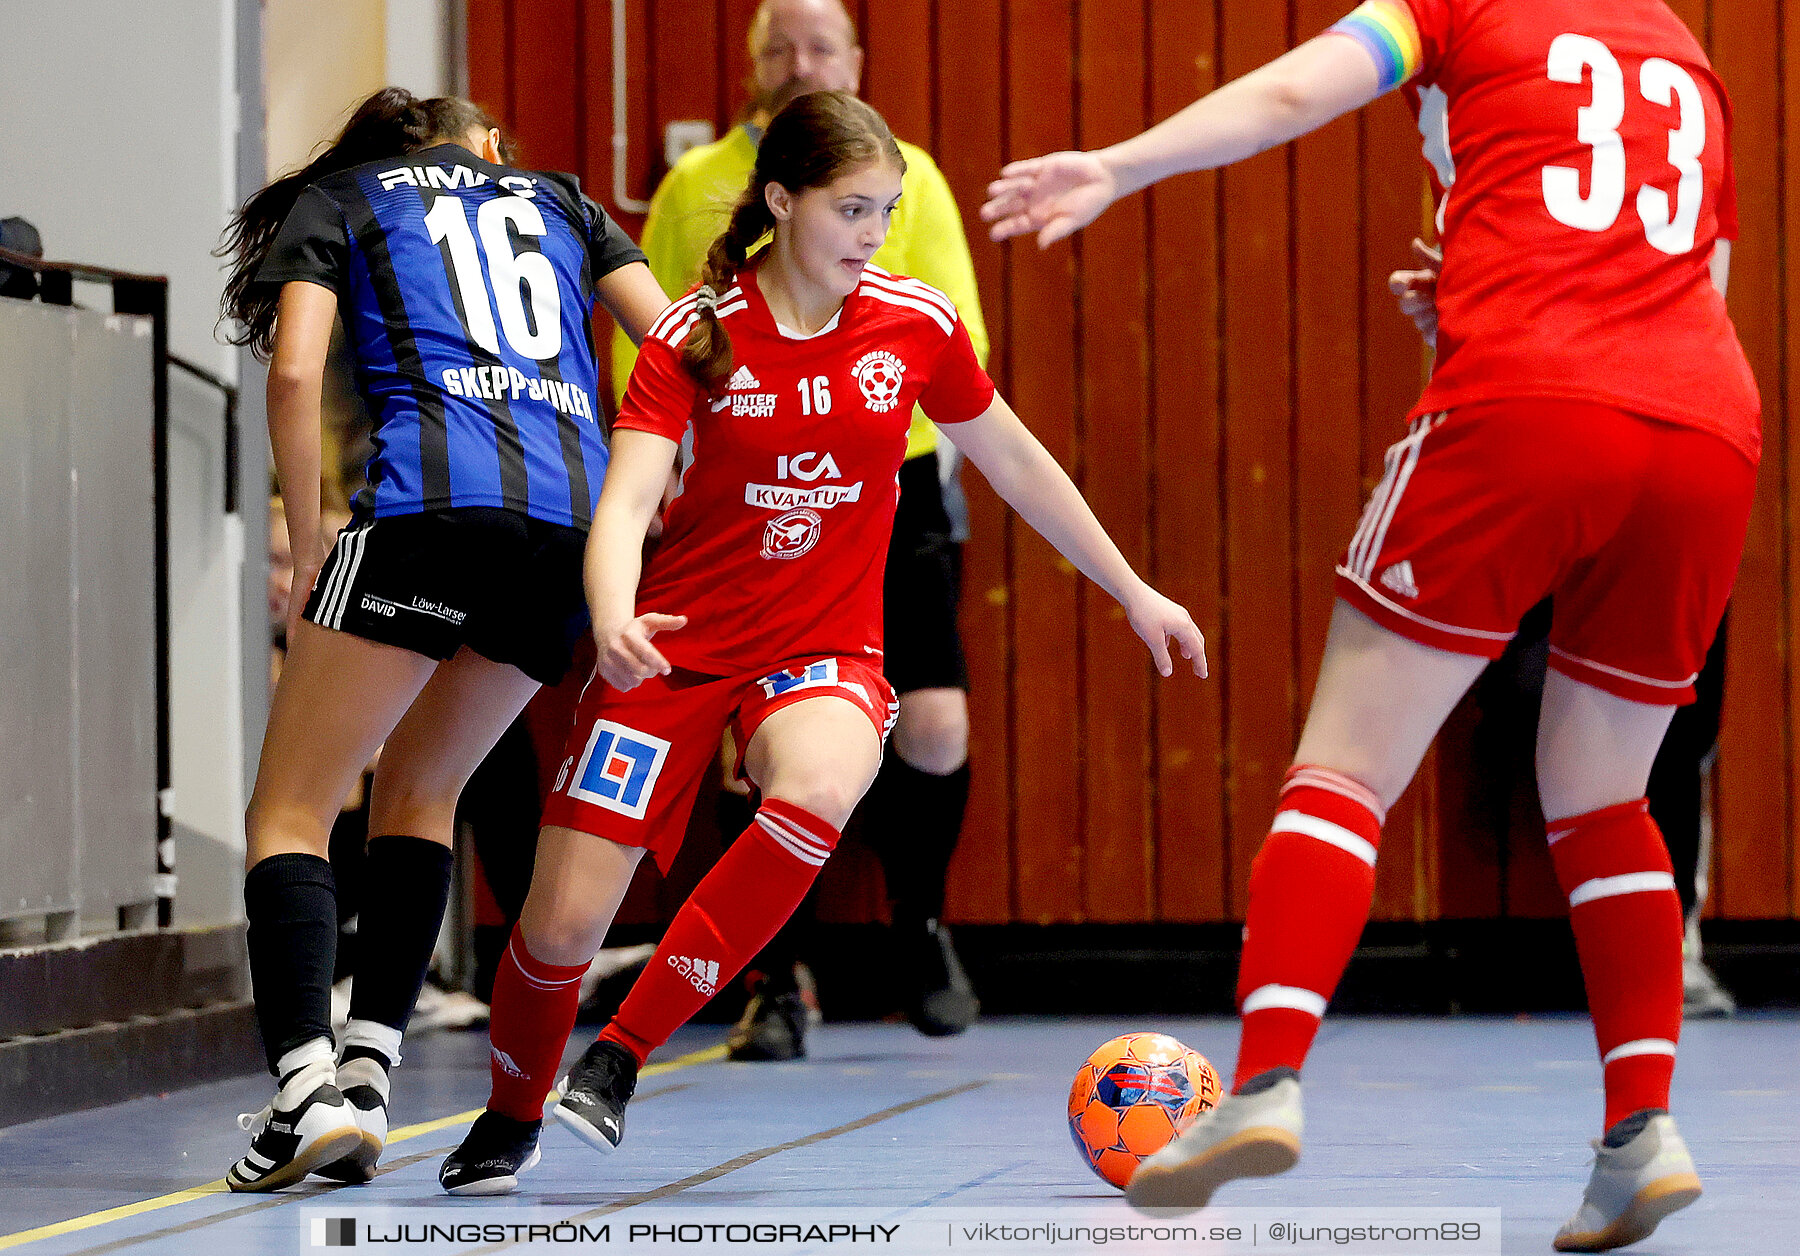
(793,374)
(1590,431)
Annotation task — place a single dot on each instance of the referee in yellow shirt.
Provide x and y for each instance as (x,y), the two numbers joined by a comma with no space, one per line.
(914,811)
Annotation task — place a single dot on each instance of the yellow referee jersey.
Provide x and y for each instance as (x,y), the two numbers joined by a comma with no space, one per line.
(925,241)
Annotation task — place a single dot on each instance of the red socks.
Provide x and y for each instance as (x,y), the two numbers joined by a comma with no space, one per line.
(1310,890)
(734,911)
(1614,867)
(533,1012)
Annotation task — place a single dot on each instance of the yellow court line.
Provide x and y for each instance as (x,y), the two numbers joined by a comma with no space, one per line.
(92,1219)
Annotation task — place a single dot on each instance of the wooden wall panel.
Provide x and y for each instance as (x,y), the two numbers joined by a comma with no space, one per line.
(1789,282)
(1112,468)
(1756,750)
(1049,801)
(491,56)
(546,84)
(1185,484)
(897,69)
(1220,364)
(969,147)
(1257,284)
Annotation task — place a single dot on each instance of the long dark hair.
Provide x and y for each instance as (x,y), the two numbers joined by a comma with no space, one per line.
(809,143)
(391,123)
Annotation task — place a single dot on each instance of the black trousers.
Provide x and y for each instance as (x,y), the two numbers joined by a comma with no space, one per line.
(1511,690)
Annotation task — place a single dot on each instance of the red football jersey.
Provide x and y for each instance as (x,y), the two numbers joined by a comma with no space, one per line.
(776,546)
(1586,153)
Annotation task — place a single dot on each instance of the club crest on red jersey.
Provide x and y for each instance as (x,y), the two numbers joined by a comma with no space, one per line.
(792,534)
(878,374)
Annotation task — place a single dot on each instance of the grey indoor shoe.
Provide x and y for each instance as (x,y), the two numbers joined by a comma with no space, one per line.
(1631,1189)
(1245,1136)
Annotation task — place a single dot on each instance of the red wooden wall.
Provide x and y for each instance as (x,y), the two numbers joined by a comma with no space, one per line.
(1220,366)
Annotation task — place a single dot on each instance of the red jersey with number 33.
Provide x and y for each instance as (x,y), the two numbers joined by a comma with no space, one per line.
(776,546)
(1586,152)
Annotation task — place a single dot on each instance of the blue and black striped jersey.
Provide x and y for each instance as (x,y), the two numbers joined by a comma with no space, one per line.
(465,290)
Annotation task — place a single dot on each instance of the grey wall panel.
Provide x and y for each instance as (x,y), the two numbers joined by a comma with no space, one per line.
(206,563)
(37,788)
(112,417)
(77,612)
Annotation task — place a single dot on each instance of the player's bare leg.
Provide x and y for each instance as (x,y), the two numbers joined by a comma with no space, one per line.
(1594,756)
(446,732)
(338,698)
(1379,702)
(820,755)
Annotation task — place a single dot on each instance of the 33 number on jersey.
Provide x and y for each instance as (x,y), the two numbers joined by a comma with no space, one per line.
(1668,228)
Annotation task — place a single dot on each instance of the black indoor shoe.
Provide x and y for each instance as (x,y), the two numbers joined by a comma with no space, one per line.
(942,1001)
(492,1155)
(773,1026)
(594,1095)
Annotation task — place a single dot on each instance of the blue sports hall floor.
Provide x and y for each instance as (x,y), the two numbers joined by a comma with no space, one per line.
(1401,1113)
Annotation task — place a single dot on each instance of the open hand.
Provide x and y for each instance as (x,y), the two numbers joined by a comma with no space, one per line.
(1155,619)
(627,658)
(1417,290)
(1055,196)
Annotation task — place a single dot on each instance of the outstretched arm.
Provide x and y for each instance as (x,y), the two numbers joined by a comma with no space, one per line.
(1030,481)
(1299,92)
(629,498)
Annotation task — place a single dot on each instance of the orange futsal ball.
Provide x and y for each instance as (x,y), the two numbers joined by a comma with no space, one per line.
(1132,1096)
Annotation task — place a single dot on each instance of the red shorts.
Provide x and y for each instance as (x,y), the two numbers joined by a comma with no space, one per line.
(1634,526)
(634,761)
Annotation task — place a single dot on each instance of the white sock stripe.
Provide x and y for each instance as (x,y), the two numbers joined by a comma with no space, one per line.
(1325,831)
(313,1051)
(374,1035)
(798,832)
(1626,883)
(1639,1046)
(1295,998)
(804,854)
(1337,783)
(541,983)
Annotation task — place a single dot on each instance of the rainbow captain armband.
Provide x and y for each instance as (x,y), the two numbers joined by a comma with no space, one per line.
(1387,30)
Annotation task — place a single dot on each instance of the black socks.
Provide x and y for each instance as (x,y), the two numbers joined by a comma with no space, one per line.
(1268,1079)
(407,882)
(911,820)
(291,903)
(1633,1125)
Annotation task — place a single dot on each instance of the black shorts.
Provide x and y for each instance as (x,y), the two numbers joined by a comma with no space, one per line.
(922,588)
(502,583)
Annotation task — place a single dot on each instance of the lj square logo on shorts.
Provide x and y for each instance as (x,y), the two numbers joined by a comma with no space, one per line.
(618,770)
(334,1231)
